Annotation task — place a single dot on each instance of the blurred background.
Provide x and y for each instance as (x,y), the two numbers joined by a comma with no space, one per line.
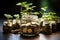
(9,6)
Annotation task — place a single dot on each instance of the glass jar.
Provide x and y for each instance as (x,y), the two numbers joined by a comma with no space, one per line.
(30,26)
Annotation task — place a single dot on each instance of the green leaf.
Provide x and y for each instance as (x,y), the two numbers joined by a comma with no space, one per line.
(35,13)
(18,4)
(27,8)
(30,4)
(21,4)
(16,16)
(33,6)
(7,16)
(24,2)
(44,8)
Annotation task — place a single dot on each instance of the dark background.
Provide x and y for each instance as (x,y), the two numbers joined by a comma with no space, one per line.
(9,6)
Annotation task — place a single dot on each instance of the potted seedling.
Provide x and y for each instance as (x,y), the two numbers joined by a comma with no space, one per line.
(44,24)
(16,24)
(52,20)
(29,26)
(48,18)
(7,25)
(17,18)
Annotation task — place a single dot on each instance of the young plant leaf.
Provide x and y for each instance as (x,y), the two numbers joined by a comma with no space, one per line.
(8,16)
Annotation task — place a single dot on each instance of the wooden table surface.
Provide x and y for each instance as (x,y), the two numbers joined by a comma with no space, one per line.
(53,36)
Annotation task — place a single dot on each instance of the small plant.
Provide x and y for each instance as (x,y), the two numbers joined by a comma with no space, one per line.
(49,16)
(29,21)
(28,8)
(7,25)
(8,16)
(16,16)
(8,22)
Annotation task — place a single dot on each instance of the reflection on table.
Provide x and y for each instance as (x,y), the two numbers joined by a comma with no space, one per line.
(53,36)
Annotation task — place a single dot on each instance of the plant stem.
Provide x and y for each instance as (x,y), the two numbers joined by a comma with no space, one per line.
(21,12)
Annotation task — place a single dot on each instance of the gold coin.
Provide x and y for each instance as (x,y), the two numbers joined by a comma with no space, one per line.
(29,30)
(25,30)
